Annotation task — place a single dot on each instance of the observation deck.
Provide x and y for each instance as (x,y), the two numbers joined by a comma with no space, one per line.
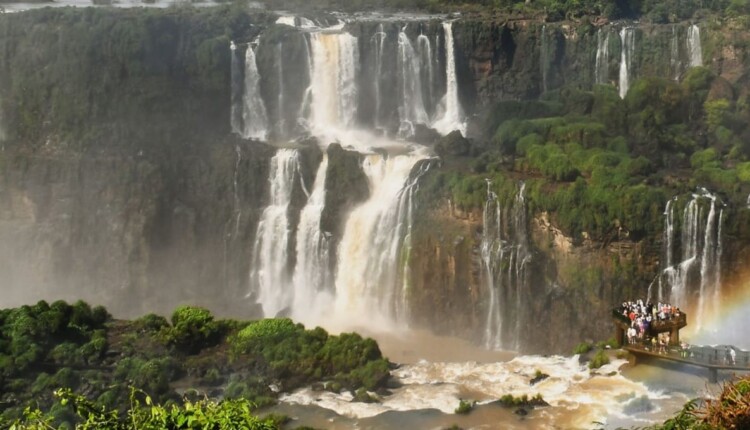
(711,358)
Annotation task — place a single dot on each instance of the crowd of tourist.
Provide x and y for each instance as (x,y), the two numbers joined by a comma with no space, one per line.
(642,316)
(649,327)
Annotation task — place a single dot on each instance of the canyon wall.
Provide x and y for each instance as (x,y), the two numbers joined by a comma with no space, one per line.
(129,175)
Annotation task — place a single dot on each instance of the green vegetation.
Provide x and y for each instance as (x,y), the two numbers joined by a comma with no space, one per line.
(583,348)
(729,410)
(609,343)
(192,328)
(204,414)
(602,167)
(600,359)
(48,347)
(509,400)
(309,354)
(464,407)
(659,11)
(539,376)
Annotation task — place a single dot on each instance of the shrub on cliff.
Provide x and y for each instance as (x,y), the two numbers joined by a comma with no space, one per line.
(600,359)
(150,323)
(192,328)
(305,355)
(582,348)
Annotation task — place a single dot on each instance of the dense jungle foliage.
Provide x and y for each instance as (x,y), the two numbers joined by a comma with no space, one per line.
(47,347)
(601,165)
(143,414)
(658,11)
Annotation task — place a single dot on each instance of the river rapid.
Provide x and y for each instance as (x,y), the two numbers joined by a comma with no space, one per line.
(435,373)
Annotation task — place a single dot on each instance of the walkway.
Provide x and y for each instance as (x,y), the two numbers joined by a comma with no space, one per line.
(709,357)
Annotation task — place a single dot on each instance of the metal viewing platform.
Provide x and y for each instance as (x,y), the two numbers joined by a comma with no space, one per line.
(712,358)
(672,326)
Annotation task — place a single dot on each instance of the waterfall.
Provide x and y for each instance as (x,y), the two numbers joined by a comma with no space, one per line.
(367,275)
(286,20)
(716,287)
(296,21)
(411,110)
(378,42)
(627,40)
(235,192)
(708,285)
(505,262)
(452,118)
(695,53)
(491,251)
(543,58)
(333,84)
(370,279)
(254,118)
(674,49)
(428,76)
(270,273)
(237,90)
(668,246)
(523,257)
(312,277)
(601,70)
(694,282)
(280,111)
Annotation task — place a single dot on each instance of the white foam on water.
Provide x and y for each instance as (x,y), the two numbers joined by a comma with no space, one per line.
(577,396)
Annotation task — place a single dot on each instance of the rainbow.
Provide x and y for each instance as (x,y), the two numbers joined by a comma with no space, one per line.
(729,326)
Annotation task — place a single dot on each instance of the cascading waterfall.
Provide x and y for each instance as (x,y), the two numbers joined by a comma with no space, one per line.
(296,21)
(281,123)
(710,265)
(694,282)
(368,280)
(411,110)
(330,104)
(287,20)
(674,58)
(627,40)
(270,273)
(428,75)
(333,84)
(407,200)
(601,71)
(237,90)
(523,257)
(378,43)
(312,278)
(668,241)
(543,58)
(453,117)
(491,249)
(505,262)
(254,118)
(677,274)
(370,275)
(235,191)
(695,53)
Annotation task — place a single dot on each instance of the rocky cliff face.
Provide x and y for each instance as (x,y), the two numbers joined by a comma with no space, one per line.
(520,60)
(135,232)
(121,182)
